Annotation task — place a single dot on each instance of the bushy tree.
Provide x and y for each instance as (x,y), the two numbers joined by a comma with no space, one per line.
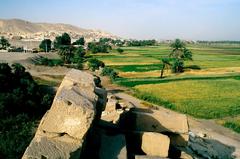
(107,71)
(46,45)
(80,41)
(118,42)
(94,64)
(66,53)
(78,58)
(141,42)
(119,50)
(22,102)
(98,47)
(63,40)
(105,40)
(65,49)
(4,43)
(79,51)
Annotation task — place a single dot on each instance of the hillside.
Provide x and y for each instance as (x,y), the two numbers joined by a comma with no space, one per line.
(17,29)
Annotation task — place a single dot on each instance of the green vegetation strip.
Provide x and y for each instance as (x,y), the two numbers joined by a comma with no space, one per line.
(132,82)
(138,68)
(234,125)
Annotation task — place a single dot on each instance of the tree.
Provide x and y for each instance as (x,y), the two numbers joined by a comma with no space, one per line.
(94,64)
(98,47)
(46,45)
(63,44)
(22,103)
(4,43)
(165,63)
(119,50)
(107,71)
(64,39)
(177,56)
(18,69)
(141,42)
(105,40)
(80,41)
(79,53)
(66,53)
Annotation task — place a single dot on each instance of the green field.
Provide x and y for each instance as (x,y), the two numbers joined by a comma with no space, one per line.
(209,87)
(199,98)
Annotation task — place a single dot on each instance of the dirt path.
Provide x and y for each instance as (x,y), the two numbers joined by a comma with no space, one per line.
(204,128)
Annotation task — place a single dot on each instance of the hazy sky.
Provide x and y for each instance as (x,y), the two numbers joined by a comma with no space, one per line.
(160,19)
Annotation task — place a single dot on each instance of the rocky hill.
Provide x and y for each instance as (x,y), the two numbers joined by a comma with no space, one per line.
(21,29)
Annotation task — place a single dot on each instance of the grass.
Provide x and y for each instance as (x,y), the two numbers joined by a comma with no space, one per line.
(48,62)
(140,59)
(203,99)
(234,125)
(49,82)
(231,122)
(138,68)
(132,82)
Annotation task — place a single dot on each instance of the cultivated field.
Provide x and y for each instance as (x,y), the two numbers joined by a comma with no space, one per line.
(209,87)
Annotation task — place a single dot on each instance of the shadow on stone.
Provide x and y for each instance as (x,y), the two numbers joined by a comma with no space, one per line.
(209,148)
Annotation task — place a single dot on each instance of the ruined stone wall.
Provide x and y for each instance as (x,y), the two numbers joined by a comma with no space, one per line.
(75,126)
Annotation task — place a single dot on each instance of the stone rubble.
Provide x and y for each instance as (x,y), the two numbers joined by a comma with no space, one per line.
(86,122)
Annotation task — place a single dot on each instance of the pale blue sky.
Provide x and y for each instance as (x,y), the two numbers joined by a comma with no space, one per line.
(142,19)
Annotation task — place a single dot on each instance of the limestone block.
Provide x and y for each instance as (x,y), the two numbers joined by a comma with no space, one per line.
(155,144)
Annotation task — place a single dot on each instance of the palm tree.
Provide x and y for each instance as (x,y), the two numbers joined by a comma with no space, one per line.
(166,63)
(178,55)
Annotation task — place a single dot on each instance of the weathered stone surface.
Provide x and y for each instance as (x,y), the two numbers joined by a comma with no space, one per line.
(111,103)
(184,155)
(126,105)
(70,113)
(44,147)
(64,127)
(174,124)
(159,121)
(155,144)
(83,79)
(111,113)
(112,117)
